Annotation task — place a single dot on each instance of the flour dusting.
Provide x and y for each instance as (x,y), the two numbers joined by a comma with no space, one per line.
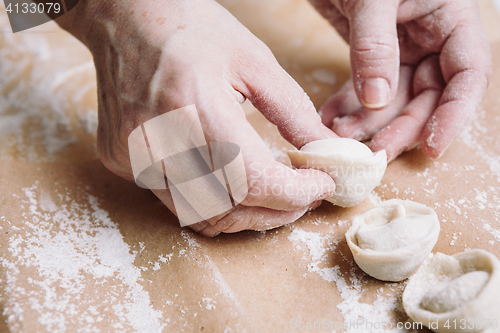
(46,87)
(68,252)
(350,286)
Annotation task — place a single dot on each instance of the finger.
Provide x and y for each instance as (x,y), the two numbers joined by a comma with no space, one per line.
(270,183)
(364,123)
(403,133)
(281,100)
(374,51)
(418,31)
(256,218)
(428,75)
(205,229)
(466,65)
(249,218)
(342,103)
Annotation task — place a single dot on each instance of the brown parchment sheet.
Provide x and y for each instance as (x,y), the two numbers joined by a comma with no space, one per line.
(82,250)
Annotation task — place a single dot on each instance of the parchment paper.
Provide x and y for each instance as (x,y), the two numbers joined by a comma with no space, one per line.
(84,250)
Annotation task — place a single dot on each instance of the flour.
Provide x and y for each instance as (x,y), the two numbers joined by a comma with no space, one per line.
(324,76)
(350,286)
(86,251)
(374,198)
(477,170)
(41,109)
(494,232)
(482,197)
(164,259)
(279,152)
(474,136)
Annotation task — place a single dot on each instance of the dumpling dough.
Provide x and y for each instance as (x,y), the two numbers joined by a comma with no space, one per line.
(355,169)
(463,288)
(391,240)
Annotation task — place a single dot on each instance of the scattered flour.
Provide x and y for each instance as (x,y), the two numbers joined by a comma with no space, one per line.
(494,232)
(85,252)
(279,153)
(350,287)
(324,76)
(41,98)
(474,136)
(374,198)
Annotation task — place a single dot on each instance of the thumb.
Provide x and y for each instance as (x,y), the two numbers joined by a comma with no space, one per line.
(283,102)
(374,51)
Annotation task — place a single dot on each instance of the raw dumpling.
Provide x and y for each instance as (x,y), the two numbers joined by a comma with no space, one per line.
(355,169)
(391,240)
(457,293)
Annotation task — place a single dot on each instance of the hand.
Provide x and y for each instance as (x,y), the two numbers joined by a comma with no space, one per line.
(445,69)
(154,57)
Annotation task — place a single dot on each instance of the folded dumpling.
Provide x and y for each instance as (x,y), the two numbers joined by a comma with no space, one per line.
(459,293)
(391,240)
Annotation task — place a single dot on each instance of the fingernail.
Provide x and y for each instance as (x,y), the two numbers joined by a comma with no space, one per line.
(375,92)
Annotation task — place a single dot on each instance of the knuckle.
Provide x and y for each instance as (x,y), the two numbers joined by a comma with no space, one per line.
(263,52)
(229,224)
(261,57)
(347,7)
(205,229)
(374,51)
(418,119)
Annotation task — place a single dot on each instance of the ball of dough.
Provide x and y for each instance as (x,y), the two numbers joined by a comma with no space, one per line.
(391,240)
(355,169)
(448,291)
